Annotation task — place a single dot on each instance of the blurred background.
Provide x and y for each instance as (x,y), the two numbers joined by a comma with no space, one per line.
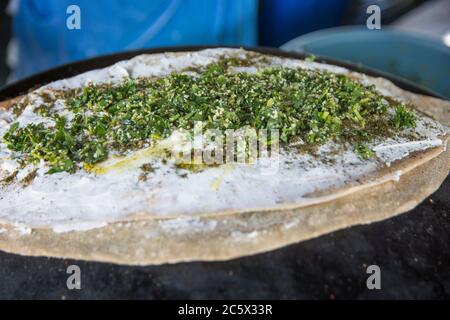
(413,42)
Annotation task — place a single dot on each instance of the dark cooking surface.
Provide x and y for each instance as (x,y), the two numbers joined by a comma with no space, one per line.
(412,250)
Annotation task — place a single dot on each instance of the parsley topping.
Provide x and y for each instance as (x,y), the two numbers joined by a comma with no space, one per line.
(404,118)
(315,106)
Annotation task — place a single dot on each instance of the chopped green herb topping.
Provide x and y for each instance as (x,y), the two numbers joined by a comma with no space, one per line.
(404,118)
(364,152)
(316,106)
(311,58)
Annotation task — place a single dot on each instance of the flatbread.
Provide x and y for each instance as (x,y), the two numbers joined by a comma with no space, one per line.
(225,235)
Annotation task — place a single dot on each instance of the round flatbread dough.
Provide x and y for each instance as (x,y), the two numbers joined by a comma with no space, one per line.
(141,240)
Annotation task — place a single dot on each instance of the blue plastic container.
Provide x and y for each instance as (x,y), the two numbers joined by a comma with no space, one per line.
(282,20)
(43,40)
(423,60)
